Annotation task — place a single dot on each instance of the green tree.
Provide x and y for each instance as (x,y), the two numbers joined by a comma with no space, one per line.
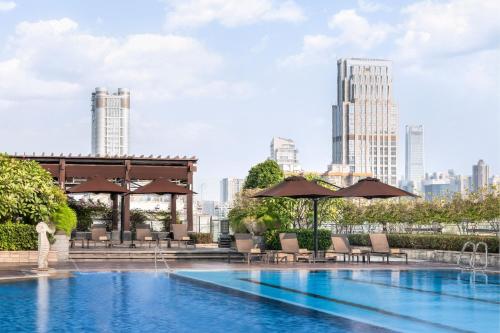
(64,219)
(263,175)
(27,191)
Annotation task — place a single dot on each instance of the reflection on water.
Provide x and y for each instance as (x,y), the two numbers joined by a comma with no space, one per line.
(42,304)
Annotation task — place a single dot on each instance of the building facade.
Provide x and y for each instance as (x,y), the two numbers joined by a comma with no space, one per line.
(414,157)
(110,122)
(283,151)
(365,119)
(229,188)
(480,175)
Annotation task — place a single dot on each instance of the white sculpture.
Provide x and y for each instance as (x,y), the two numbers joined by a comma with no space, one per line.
(43,245)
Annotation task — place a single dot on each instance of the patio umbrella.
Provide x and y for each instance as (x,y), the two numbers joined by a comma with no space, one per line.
(370,188)
(98,184)
(297,187)
(164,186)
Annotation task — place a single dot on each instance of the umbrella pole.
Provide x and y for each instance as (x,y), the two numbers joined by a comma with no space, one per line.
(315,226)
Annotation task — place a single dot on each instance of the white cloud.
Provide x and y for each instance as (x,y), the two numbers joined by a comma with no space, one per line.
(372,6)
(351,32)
(229,13)
(54,58)
(449,28)
(355,30)
(5,6)
(316,49)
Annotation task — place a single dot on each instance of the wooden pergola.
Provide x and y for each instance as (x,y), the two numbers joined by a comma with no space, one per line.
(124,170)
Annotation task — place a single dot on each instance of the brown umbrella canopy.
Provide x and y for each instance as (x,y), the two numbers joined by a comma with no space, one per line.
(162,186)
(370,188)
(296,187)
(97,184)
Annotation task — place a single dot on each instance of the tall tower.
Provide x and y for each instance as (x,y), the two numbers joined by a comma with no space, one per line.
(229,188)
(283,151)
(365,119)
(110,122)
(480,175)
(414,155)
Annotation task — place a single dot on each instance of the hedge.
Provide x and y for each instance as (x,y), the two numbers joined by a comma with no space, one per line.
(17,237)
(304,236)
(430,242)
(201,237)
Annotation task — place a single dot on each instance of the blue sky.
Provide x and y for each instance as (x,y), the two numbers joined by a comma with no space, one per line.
(218,79)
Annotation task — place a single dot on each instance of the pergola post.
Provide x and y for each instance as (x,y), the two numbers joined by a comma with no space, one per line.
(189,199)
(114,198)
(315,226)
(126,198)
(62,174)
(173,208)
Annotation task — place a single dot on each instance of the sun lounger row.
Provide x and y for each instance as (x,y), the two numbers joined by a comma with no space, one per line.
(290,248)
(143,235)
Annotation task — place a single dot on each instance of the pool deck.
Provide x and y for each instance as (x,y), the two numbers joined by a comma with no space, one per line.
(9,272)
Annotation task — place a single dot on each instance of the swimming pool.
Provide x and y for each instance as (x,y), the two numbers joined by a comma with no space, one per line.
(256,301)
(406,301)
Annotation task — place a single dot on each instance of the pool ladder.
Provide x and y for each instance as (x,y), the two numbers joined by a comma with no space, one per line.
(159,253)
(471,264)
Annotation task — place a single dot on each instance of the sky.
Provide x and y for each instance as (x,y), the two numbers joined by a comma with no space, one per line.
(218,79)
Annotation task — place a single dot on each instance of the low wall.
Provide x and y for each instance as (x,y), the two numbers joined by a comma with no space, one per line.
(24,256)
(451,256)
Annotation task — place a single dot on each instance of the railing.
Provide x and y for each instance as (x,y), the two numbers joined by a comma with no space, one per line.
(471,265)
(158,251)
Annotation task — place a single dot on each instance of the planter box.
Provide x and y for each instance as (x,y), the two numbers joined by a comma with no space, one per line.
(61,246)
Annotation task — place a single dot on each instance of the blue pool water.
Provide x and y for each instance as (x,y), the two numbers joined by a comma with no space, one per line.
(253,301)
(405,301)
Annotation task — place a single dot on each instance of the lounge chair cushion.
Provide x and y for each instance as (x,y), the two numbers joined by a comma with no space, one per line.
(254,250)
(356,251)
(148,238)
(185,238)
(395,251)
(303,251)
(103,238)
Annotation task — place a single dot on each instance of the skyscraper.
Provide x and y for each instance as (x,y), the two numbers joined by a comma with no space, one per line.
(365,119)
(229,187)
(110,122)
(480,175)
(414,156)
(283,151)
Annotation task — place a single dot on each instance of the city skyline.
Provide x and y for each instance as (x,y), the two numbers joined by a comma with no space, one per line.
(234,81)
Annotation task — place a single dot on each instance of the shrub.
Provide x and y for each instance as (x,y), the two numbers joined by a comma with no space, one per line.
(86,211)
(17,237)
(27,191)
(304,236)
(431,242)
(64,219)
(201,237)
(137,216)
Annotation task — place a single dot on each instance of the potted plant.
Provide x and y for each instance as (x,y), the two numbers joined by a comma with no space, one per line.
(64,219)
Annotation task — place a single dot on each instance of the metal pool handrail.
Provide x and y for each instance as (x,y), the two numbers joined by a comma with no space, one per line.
(159,251)
(472,259)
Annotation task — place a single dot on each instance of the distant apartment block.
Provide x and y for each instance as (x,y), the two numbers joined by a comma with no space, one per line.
(365,119)
(229,188)
(110,122)
(283,151)
(341,175)
(480,175)
(414,157)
